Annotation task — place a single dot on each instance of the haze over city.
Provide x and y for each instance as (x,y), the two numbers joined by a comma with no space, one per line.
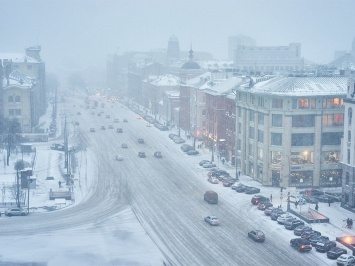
(78,34)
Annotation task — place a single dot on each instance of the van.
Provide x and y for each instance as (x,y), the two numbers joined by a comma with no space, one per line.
(211,197)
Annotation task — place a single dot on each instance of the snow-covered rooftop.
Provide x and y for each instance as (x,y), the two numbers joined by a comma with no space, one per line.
(16,78)
(301,86)
(199,80)
(216,64)
(17,58)
(166,80)
(173,94)
(225,86)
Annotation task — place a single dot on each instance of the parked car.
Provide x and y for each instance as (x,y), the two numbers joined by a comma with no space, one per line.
(141,154)
(212,180)
(58,147)
(241,189)
(336,252)
(345,260)
(107,116)
(209,165)
(312,192)
(257,235)
(212,220)
(270,210)
(228,183)
(324,245)
(186,147)
(141,141)
(252,190)
(124,146)
(192,152)
(110,126)
(310,199)
(16,212)
(119,130)
(291,225)
(324,198)
(283,218)
(125,120)
(103,127)
(301,244)
(92,129)
(116,120)
(314,239)
(157,154)
(119,158)
(255,200)
(309,234)
(179,140)
(263,205)
(276,214)
(203,162)
(218,172)
(300,229)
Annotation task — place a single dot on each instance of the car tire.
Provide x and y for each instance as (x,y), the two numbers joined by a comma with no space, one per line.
(23,214)
(9,215)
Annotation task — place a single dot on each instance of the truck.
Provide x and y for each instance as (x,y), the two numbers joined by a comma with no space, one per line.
(211,197)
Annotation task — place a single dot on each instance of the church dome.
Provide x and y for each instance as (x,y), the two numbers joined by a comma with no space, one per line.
(190,65)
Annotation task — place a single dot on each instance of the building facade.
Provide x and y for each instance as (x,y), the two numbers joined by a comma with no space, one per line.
(289,129)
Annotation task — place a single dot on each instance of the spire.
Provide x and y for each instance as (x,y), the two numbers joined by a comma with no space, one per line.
(191,53)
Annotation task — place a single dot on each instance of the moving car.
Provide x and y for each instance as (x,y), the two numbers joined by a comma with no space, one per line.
(92,129)
(186,147)
(116,120)
(192,152)
(257,235)
(119,130)
(157,154)
(124,146)
(107,116)
(119,158)
(345,260)
(212,220)
(203,162)
(16,212)
(301,244)
(125,120)
(141,154)
(211,197)
(103,127)
(251,190)
(336,252)
(141,141)
(110,126)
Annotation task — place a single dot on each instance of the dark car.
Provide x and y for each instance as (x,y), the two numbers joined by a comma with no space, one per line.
(255,200)
(324,198)
(171,135)
(309,234)
(124,145)
(257,235)
(203,162)
(119,130)
(276,214)
(301,244)
(300,229)
(324,245)
(192,152)
(186,147)
(291,225)
(241,188)
(270,210)
(141,154)
(141,141)
(228,183)
(158,154)
(314,239)
(336,252)
(103,127)
(92,129)
(312,192)
(125,120)
(251,190)
(310,199)
(263,205)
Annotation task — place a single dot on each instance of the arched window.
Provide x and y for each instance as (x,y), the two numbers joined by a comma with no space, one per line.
(350,115)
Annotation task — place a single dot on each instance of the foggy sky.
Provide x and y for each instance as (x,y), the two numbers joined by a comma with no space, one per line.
(80,34)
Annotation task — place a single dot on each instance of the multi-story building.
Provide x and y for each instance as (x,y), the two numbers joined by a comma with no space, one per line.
(348,147)
(268,59)
(289,130)
(239,40)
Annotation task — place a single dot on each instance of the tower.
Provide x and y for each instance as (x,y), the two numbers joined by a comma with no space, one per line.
(173,52)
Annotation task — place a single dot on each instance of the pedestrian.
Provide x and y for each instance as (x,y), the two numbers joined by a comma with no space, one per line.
(329,202)
(223,160)
(239,173)
(316,207)
(296,204)
(271,198)
(60,184)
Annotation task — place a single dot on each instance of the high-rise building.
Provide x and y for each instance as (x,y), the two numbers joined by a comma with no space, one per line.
(173,52)
(239,40)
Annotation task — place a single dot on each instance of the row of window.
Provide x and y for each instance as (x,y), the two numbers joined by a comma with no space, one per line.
(305,158)
(14,99)
(14,112)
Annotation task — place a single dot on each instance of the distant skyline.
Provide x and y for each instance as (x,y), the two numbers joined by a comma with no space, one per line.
(80,34)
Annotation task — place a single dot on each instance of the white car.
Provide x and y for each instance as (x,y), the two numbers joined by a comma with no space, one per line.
(212,220)
(16,212)
(345,260)
(119,158)
(208,165)
(212,180)
(282,218)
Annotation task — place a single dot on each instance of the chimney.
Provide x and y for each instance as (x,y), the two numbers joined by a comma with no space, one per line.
(34,52)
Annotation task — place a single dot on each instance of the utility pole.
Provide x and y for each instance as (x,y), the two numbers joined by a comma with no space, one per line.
(66,151)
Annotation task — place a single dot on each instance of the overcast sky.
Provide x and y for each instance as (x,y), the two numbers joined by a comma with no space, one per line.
(86,31)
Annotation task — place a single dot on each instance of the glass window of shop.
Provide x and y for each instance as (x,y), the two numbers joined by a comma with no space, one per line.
(332,138)
(301,178)
(302,139)
(276,120)
(333,120)
(330,177)
(275,157)
(303,120)
(302,158)
(276,139)
(333,103)
(330,157)
(303,103)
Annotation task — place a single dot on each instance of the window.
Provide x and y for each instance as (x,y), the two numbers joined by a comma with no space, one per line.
(239,128)
(331,138)
(204,112)
(302,139)
(275,157)
(251,150)
(330,157)
(331,120)
(261,101)
(347,178)
(251,115)
(17,111)
(301,158)
(252,99)
(301,178)
(260,136)
(251,132)
(350,115)
(303,120)
(11,112)
(303,103)
(276,120)
(277,103)
(17,99)
(10,99)
(333,103)
(260,118)
(276,139)
(349,136)
(260,154)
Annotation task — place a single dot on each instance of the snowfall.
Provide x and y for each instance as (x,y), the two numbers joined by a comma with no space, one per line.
(75,246)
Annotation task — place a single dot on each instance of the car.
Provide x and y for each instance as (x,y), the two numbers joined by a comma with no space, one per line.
(103,127)
(309,234)
(300,229)
(124,146)
(228,183)
(98,114)
(270,210)
(255,200)
(141,154)
(310,199)
(294,199)
(78,113)
(92,129)
(301,244)
(110,126)
(315,238)
(251,190)
(119,158)
(324,198)
(157,154)
(107,116)
(171,136)
(212,180)
(186,147)
(116,120)
(58,147)
(345,260)
(263,205)
(77,123)
(336,252)
(209,165)
(212,220)
(257,235)
(149,125)
(217,172)
(203,162)
(192,152)
(291,225)
(125,120)
(16,212)
(139,117)
(282,218)
(178,140)
(241,188)
(141,141)
(119,130)
(276,214)
(324,245)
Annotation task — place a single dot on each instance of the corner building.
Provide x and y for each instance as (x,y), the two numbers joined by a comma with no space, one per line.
(289,130)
